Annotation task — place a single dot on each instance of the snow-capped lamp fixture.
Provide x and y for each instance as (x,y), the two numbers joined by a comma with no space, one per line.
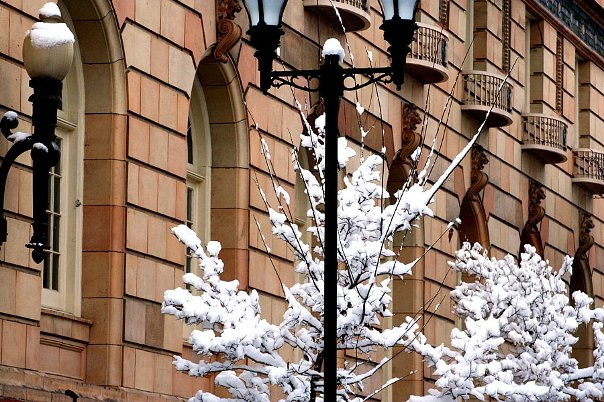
(47,55)
(265,33)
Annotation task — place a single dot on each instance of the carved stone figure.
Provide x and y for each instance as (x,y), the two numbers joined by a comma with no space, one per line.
(227,32)
(531,233)
(411,117)
(586,240)
(473,227)
(401,163)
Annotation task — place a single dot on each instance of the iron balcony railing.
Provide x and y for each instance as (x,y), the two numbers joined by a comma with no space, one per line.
(482,89)
(430,45)
(549,131)
(589,164)
(362,4)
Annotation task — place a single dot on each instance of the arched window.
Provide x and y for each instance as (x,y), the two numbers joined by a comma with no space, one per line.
(61,274)
(198,167)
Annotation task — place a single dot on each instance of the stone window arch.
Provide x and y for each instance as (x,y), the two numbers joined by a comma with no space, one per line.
(227,157)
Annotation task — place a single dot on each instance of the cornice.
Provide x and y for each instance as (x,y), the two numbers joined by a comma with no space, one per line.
(593,9)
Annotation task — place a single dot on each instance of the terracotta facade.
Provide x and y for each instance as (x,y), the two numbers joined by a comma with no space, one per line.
(140,62)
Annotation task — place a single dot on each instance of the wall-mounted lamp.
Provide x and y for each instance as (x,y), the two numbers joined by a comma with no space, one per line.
(47,55)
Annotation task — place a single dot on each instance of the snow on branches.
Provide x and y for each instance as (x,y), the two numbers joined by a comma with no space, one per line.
(518,333)
(244,350)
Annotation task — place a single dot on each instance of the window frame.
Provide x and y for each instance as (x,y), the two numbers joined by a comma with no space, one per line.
(70,130)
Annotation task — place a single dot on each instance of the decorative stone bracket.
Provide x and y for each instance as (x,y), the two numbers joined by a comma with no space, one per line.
(531,233)
(473,227)
(586,240)
(402,163)
(228,33)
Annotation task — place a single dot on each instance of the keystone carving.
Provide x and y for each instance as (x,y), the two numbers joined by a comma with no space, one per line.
(227,32)
(531,233)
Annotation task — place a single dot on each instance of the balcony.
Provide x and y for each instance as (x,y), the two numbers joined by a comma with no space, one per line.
(482,92)
(588,171)
(354,13)
(545,137)
(427,61)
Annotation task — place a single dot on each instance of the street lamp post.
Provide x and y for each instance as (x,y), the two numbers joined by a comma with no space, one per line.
(265,31)
(47,56)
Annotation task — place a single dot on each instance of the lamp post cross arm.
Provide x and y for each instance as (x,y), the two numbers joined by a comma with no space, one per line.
(373,74)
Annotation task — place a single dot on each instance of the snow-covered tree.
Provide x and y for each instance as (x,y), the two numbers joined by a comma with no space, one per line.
(243,350)
(518,333)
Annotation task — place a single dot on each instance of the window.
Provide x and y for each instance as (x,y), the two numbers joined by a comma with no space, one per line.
(61,273)
(198,169)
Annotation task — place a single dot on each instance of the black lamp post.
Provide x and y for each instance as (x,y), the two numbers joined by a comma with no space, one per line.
(265,32)
(47,55)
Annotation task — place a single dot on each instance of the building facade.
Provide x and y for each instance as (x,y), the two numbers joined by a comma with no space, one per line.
(162,124)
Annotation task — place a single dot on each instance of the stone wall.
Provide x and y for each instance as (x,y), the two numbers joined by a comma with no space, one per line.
(139,62)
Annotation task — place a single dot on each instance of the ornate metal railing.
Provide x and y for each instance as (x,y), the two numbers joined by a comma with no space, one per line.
(362,4)
(482,89)
(549,131)
(589,164)
(578,21)
(430,45)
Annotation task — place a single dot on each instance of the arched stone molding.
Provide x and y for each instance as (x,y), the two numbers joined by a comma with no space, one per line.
(474,227)
(103,240)
(101,45)
(581,280)
(229,139)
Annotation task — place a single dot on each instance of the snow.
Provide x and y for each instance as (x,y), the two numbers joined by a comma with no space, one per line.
(332,46)
(518,333)
(48,33)
(232,339)
(246,353)
(18,137)
(370,56)
(360,109)
(50,10)
(41,147)
(10,116)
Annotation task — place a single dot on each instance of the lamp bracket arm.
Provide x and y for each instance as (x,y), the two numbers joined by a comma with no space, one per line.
(379,74)
(279,82)
(280,78)
(13,153)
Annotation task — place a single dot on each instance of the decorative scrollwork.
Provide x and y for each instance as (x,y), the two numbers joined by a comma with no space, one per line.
(586,240)
(384,77)
(227,32)
(281,81)
(531,233)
